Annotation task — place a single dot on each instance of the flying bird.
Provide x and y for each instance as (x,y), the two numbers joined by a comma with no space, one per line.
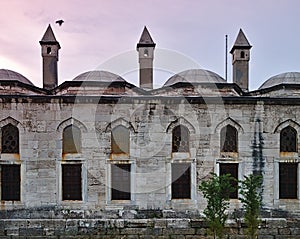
(60,22)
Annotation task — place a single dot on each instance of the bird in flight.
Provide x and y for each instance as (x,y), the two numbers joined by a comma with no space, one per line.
(60,22)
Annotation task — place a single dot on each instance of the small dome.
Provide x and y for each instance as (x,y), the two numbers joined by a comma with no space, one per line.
(284,78)
(8,75)
(195,76)
(99,76)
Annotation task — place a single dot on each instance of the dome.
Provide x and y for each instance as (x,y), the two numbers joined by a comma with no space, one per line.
(8,75)
(284,78)
(99,76)
(195,76)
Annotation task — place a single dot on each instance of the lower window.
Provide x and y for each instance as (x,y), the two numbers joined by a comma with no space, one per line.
(71,182)
(120,181)
(10,182)
(181,181)
(288,177)
(232,169)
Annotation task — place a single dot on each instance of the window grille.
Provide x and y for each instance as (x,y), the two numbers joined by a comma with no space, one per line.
(10,139)
(181,181)
(288,140)
(10,182)
(71,182)
(180,139)
(232,169)
(288,178)
(120,140)
(71,139)
(229,139)
(120,185)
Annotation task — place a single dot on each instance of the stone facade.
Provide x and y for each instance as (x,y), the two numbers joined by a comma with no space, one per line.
(197,103)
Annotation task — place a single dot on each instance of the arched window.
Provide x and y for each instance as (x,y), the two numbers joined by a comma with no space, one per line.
(10,139)
(229,139)
(72,139)
(288,139)
(120,140)
(180,139)
(242,54)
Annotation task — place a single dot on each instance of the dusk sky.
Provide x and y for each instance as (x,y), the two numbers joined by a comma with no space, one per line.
(98,34)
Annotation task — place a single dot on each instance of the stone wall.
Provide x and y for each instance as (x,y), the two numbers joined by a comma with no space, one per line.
(153,228)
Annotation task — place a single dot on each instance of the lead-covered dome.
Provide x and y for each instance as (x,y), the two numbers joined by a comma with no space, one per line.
(8,75)
(195,76)
(99,76)
(284,78)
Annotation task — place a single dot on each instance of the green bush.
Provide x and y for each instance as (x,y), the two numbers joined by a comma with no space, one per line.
(216,191)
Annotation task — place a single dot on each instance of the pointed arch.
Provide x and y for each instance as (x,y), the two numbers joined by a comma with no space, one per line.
(288,139)
(180,139)
(117,122)
(229,121)
(181,121)
(71,139)
(229,139)
(12,121)
(120,140)
(71,121)
(286,123)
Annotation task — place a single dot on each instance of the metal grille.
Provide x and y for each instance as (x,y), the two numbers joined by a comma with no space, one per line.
(10,139)
(232,169)
(120,140)
(120,185)
(180,139)
(10,182)
(288,180)
(288,140)
(181,181)
(71,182)
(71,139)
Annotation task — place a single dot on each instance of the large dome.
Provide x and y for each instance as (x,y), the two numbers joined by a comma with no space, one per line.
(195,76)
(284,78)
(8,75)
(99,76)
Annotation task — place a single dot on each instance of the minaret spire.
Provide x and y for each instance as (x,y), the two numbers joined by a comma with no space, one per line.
(145,47)
(240,61)
(50,47)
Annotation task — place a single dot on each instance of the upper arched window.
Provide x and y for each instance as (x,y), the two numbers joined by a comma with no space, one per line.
(180,139)
(229,139)
(71,139)
(10,139)
(288,139)
(242,54)
(120,140)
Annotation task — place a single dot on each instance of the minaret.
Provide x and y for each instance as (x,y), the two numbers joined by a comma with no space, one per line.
(50,49)
(145,47)
(240,61)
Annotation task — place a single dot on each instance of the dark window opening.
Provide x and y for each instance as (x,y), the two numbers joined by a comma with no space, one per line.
(120,140)
(71,139)
(242,54)
(288,178)
(10,182)
(120,182)
(146,52)
(49,50)
(232,169)
(10,139)
(180,139)
(181,181)
(288,140)
(71,182)
(229,139)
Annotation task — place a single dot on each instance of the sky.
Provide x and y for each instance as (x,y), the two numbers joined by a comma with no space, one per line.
(102,35)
